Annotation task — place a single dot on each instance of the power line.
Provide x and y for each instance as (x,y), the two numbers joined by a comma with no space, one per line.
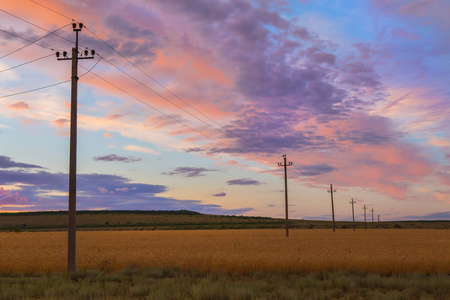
(240,140)
(152,107)
(52,10)
(51,85)
(31,42)
(37,26)
(29,62)
(34,90)
(25,39)
(88,71)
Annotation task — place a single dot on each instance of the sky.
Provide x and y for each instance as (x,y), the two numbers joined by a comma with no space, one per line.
(192,105)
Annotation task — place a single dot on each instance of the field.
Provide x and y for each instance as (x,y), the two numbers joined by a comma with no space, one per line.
(233,251)
(228,264)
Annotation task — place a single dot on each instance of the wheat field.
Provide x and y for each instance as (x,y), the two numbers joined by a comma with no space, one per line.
(235,251)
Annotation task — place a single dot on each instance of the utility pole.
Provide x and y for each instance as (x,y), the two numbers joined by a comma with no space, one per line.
(378,218)
(71,255)
(372,210)
(285,165)
(332,204)
(365,224)
(353,213)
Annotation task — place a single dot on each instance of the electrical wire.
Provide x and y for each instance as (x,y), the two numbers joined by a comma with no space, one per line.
(88,71)
(37,26)
(51,85)
(52,10)
(151,106)
(31,42)
(34,90)
(25,39)
(26,63)
(241,140)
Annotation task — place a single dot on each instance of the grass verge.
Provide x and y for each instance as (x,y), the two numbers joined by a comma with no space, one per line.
(173,283)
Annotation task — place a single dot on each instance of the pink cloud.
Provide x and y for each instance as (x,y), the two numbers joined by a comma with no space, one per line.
(236,163)
(103,190)
(113,117)
(61,122)
(9,197)
(107,134)
(19,106)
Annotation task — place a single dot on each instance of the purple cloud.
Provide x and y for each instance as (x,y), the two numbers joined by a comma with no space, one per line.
(445,215)
(94,191)
(189,171)
(6,162)
(222,194)
(314,170)
(113,157)
(244,181)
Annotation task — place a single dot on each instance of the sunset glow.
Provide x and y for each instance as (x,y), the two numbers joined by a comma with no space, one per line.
(191,105)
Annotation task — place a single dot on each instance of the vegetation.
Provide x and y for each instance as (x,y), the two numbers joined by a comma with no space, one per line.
(242,251)
(176,220)
(221,264)
(173,283)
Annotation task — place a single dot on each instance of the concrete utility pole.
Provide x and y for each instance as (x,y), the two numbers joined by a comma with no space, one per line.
(285,165)
(71,266)
(365,224)
(332,205)
(372,210)
(353,213)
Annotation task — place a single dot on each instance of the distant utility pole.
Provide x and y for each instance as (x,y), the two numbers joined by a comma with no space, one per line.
(285,165)
(353,213)
(71,266)
(365,224)
(378,218)
(332,204)
(372,210)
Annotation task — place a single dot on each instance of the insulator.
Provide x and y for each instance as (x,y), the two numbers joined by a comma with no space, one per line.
(80,25)
(65,53)
(92,52)
(86,53)
(58,54)
(74,25)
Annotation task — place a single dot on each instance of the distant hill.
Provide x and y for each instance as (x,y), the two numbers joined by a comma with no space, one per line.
(179,220)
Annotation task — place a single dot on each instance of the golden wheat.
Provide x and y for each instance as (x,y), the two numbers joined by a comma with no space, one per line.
(238,251)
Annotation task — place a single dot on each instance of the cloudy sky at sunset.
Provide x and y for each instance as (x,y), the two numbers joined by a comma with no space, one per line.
(191,105)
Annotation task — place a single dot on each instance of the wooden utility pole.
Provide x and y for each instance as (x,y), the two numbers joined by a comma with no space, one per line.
(285,165)
(332,205)
(71,255)
(372,210)
(353,213)
(365,223)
